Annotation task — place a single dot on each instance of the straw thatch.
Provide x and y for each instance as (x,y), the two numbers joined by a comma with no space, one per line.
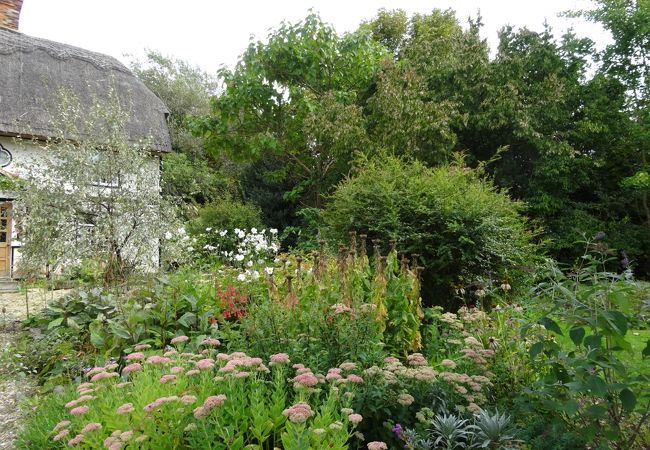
(32,70)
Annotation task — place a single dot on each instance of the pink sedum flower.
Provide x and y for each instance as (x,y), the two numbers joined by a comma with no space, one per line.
(135,367)
(279,358)
(103,376)
(167,378)
(95,370)
(204,364)
(141,347)
(135,356)
(79,410)
(298,413)
(377,445)
(355,418)
(352,378)
(125,408)
(62,424)
(176,370)
(192,372)
(211,342)
(188,399)
(305,380)
(92,426)
(156,359)
(75,440)
(179,339)
(61,435)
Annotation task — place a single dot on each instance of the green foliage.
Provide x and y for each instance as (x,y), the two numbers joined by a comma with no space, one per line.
(249,407)
(336,310)
(582,360)
(462,228)
(225,214)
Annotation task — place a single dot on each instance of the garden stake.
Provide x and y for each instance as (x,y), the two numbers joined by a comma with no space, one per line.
(353,243)
(362,245)
(414,257)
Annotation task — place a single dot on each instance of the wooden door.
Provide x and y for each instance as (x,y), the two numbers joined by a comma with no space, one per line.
(5,239)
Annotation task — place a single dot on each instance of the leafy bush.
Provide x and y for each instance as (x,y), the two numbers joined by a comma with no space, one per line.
(463,229)
(225,214)
(584,356)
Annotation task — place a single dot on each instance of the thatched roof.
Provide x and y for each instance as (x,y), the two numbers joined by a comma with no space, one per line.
(32,70)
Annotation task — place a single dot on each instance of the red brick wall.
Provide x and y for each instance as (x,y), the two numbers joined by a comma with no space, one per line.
(10,13)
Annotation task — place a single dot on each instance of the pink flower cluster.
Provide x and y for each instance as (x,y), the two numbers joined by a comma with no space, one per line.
(125,409)
(135,356)
(377,445)
(156,359)
(103,375)
(83,398)
(416,359)
(179,339)
(159,402)
(91,426)
(298,413)
(355,418)
(333,374)
(204,364)
(141,347)
(134,367)
(208,404)
(305,380)
(211,342)
(239,359)
(118,439)
(279,358)
(167,378)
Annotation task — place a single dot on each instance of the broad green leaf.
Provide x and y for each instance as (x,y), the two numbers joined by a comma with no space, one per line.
(577,334)
(596,385)
(646,351)
(551,325)
(55,323)
(593,341)
(628,399)
(535,349)
(617,321)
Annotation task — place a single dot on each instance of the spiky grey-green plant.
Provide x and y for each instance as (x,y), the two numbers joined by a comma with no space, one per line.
(493,431)
(451,432)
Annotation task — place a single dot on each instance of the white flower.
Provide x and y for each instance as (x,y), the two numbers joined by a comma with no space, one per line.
(254,230)
(273,231)
(168,235)
(239,257)
(241,234)
(241,277)
(255,274)
(237,230)
(268,270)
(249,263)
(222,233)
(208,229)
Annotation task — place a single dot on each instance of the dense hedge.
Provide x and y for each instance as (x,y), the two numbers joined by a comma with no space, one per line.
(468,234)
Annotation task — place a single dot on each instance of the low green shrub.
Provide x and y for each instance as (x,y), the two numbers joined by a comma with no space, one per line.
(225,214)
(464,230)
(584,357)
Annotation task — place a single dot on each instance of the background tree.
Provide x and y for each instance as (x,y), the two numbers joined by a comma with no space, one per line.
(94,196)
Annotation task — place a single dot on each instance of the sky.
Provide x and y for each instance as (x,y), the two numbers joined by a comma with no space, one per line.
(212,33)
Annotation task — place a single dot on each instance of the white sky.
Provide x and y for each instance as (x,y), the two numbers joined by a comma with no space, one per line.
(209,33)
